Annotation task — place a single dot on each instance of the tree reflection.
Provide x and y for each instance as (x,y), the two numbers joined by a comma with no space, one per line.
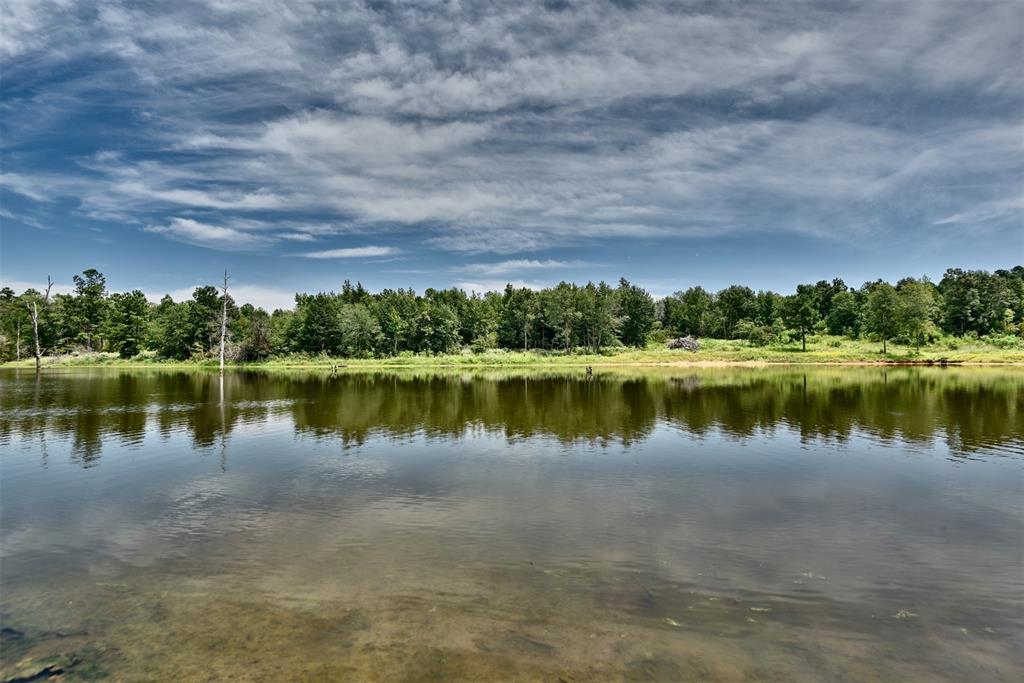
(969,409)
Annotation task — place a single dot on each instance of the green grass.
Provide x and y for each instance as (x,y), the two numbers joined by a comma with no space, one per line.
(820,350)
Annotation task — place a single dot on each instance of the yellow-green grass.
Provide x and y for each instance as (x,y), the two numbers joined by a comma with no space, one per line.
(820,350)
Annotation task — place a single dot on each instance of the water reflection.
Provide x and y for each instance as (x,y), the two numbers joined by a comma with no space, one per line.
(769,524)
(969,409)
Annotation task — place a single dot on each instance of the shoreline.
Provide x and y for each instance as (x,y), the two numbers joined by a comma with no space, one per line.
(477,362)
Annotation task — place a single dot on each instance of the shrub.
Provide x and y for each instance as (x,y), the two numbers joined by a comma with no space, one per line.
(485,342)
(1005,341)
(763,335)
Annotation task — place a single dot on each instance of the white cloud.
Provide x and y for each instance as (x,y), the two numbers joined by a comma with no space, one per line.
(482,286)
(20,286)
(296,236)
(517,129)
(26,220)
(267,298)
(350,252)
(22,23)
(517,265)
(361,139)
(244,201)
(987,211)
(210,236)
(24,185)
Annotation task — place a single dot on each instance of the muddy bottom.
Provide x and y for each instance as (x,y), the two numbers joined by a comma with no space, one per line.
(527,625)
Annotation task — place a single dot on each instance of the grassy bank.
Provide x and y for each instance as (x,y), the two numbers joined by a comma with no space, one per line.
(820,350)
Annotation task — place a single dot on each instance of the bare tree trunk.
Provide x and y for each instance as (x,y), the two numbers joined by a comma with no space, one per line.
(224,321)
(223,429)
(17,341)
(34,311)
(35,331)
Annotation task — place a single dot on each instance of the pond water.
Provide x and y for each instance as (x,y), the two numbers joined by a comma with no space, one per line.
(720,524)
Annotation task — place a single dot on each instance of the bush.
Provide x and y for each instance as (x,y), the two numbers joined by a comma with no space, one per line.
(763,335)
(485,342)
(745,329)
(1005,341)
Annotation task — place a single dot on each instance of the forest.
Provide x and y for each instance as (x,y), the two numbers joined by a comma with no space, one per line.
(567,318)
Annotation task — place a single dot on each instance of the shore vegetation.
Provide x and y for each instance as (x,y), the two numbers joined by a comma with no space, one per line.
(968,316)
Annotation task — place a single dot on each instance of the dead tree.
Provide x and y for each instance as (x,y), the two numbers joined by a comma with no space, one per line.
(33,310)
(223,320)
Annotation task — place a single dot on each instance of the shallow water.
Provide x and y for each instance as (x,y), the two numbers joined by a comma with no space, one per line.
(734,525)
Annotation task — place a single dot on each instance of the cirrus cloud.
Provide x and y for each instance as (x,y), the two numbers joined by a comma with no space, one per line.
(350,252)
(517,128)
(211,236)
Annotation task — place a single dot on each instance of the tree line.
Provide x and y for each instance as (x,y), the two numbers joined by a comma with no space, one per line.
(567,317)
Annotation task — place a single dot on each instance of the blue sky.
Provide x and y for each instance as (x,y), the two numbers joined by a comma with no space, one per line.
(432,144)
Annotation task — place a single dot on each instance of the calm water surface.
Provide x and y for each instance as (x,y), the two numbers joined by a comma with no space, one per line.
(734,525)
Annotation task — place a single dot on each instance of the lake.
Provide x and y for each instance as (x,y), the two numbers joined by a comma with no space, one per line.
(840,524)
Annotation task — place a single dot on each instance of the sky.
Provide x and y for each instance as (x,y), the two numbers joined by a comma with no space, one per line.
(436,144)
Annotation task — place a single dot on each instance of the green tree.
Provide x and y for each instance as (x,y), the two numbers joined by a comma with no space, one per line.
(801,311)
(736,303)
(636,312)
(917,309)
(844,314)
(204,319)
(284,332)
(319,323)
(257,337)
(16,327)
(360,332)
(437,327)
(827,291)
(60,324)
(518,312)
(128,322)
(770,308)
(561,312)
(485,312)
(883,313)
(690,312)
(90,303)
(975,300)
(601,323)
(396,312)
(353,295)
(170,330)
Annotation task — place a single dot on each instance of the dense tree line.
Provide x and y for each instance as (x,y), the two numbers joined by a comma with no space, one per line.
(567,317)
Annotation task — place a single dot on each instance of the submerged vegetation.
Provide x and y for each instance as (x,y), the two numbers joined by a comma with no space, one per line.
(967,316)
